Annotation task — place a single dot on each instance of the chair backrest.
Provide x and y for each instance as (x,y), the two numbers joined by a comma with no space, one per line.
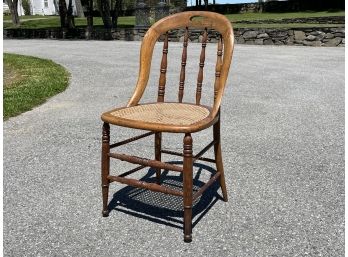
(186,20)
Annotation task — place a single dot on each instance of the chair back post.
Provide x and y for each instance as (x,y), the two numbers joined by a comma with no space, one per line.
(218,68)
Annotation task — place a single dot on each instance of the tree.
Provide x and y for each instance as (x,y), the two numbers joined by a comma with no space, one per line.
(79,9)
(56,6)
(66,15)
(104,8)
(26,7)
(70,16)
(109,11)
(260,5)
(13,6)
(89,5)
(116,12)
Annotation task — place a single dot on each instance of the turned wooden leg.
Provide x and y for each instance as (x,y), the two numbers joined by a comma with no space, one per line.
(105,167)
(187,186)
(158,148)
(218,158)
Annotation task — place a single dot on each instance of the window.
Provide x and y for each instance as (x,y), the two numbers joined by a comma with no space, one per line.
(46,3)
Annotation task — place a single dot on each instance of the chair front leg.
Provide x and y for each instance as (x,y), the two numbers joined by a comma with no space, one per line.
(187,187)
(218,158)
(158,148)
(105,167)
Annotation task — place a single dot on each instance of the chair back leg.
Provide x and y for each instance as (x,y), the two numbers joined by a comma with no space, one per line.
(187,187)
(105,167)
(218,158)
(158,148)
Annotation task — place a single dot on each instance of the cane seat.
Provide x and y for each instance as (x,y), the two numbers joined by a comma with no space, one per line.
(171,117)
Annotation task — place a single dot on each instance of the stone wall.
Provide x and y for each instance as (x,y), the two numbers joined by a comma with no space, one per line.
(316,20)
(298,36)
(304,37)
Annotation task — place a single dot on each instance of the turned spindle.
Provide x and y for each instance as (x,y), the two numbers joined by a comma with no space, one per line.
(201,66)
(183,66)
(162,79)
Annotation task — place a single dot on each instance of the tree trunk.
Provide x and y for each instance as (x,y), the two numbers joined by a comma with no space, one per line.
(63,14)
(56,6)
(70,16)
(260,6)
(66,17)
(116,13)
(13,5)
(89,19)
(104,8)
(79,9)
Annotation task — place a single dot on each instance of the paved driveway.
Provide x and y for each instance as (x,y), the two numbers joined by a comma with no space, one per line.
(283,147)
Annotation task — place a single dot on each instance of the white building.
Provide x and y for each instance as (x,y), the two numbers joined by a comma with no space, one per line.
(43,7)
(39,7)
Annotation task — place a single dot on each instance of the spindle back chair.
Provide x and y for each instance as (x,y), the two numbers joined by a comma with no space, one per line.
(174,117)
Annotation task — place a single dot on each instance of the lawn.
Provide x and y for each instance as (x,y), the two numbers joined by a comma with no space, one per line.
(279,16)
(285,26)
(36,22)
(29,81)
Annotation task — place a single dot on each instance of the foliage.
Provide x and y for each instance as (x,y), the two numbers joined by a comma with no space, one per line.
(29,81)
(128,5)
(26,7)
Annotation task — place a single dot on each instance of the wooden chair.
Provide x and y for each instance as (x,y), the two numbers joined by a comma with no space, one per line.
(172,117)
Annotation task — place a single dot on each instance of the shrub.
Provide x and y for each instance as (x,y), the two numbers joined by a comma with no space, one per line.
(26,7)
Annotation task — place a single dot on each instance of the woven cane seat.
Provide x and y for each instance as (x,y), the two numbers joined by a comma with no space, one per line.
(148,116)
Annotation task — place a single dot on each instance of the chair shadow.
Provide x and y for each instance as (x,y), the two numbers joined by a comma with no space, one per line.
(163,208)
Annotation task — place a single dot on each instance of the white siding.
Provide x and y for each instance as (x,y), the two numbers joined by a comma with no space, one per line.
(39,8)
(50,10)
(20,8)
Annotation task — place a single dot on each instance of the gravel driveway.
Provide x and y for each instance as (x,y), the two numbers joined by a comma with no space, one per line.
(283,149)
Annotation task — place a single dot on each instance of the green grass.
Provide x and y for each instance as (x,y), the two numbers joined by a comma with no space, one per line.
(29,81)
(37,22)
(279,16)
(7,18)
(41,22)
(284,26)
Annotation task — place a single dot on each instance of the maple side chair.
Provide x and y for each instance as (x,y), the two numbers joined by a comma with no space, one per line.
(172,117)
